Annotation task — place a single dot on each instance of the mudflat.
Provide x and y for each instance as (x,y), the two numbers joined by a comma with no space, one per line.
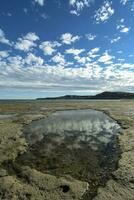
(25,181)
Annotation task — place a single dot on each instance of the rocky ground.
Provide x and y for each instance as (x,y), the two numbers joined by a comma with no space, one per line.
(31,184)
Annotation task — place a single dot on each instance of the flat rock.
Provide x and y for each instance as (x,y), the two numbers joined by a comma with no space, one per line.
(39,186)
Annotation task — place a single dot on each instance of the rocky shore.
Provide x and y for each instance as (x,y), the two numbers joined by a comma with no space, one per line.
(121,186)
(29,183)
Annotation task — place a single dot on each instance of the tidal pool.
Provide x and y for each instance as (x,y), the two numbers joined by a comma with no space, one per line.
(80,143)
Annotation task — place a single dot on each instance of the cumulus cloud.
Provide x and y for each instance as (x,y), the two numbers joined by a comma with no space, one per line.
(92,52)
(31,37)
(127,66)
(115,39)
(27,42)
(40,2)
(3,39)
(92,76)
(85,72)
(104,13)
(121,27)
(121,59)
(74,12)
(74,51)
(106,58)
(82,60)
(120,24)
(131,4)
(68,38)
(124,2)
(59,58)
(31,59)
(3,54)
(48,47)
(90,36)
(78,5)
(45,76)
(125,30)
(95,50)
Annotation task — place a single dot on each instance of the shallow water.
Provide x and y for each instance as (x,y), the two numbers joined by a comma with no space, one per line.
(89,126)
(81,143)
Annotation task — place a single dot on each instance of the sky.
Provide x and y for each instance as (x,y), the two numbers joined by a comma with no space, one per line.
(56,47)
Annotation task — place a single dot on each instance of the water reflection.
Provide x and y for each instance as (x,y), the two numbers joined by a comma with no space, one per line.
(80,143)
(75,128)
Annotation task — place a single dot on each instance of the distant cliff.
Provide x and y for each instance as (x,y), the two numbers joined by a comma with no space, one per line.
(114,95)
(103,95)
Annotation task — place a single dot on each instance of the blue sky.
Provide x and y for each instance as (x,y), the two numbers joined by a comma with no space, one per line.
(58,47)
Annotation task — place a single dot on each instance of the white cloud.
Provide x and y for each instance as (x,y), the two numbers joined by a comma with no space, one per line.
(92,52)
(3,54)
(40,2)
(27,42)
(95,50)
(132,7)
(104,13)
(125,30)
(74,51)
(31,59)
(3,39)
(53,78)
(90,36)
(122,20)
(74,12)
(14,61)
(46,77)
(68,38)
(48,47)
(79,5)
(106,58)
(131,3)
(59,58)
(127,66)
(115,39)
(121,59)
(82,60)
(121,27)
(31,37)
(24,45)
(84,74)
(124,2)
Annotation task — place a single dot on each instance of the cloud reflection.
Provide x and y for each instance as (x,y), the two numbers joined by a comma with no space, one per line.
(74,128)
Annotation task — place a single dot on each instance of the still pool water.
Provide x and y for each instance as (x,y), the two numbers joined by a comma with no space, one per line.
(91,127)
(80,143)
